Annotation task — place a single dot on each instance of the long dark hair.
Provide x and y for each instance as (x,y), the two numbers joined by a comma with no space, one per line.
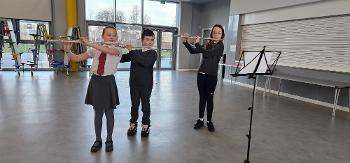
(211,43)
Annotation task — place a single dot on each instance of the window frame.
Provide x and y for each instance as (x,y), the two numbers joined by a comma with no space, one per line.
(18,29)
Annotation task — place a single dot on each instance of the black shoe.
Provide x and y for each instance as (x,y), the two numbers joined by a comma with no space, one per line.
(96,146)
(145,131)
(199,124)
(109,146)
(132,129)
(211,127)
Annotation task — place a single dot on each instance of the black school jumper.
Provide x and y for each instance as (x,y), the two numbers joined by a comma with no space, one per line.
(141,82)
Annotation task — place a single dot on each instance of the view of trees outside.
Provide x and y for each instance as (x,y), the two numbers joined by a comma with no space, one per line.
(160,14)
(129,11)
(107,15)
(101,10)
(114,11)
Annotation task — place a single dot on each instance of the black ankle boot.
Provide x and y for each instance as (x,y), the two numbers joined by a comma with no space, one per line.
(211,127)
(132,129)
(145,130)
(199,124)
(109,146)
(96,146)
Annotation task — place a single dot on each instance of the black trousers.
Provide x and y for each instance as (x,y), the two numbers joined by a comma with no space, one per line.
(142,94)
(206,88)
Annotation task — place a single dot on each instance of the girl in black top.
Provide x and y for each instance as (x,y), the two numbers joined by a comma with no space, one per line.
(207,73)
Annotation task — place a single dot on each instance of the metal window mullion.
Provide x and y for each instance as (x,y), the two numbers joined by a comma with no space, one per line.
(142,9)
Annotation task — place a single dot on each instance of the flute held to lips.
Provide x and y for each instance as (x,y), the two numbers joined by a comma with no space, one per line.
(194,37)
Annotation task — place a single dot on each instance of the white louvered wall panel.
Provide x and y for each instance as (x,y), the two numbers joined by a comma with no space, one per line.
(321,44)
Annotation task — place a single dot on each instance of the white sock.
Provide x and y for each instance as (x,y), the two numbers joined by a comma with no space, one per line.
(201,119)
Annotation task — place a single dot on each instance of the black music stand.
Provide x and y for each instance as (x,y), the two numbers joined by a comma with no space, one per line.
(263,63)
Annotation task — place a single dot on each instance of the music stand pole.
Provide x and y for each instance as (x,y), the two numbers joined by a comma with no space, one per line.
(251,108)
(252,71)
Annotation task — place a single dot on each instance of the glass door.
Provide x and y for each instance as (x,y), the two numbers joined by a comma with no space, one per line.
(165,45)
(167,50)
(128,34)
(156,46)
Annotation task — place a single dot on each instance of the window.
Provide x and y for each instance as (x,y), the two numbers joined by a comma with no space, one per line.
(129,17)
(95,33)
(128,11)
(129,34)
(27,55)
(6,60)
(26,44)
(156,13)
(30,27)
(166,54)
(102,10)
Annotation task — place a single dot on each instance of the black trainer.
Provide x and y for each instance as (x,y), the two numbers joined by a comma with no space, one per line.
(96,146)
(199,124)
(145,131)
(109,146)
(211,127)
(132,129)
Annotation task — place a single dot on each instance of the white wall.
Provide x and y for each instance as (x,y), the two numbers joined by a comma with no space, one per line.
(26,9)
(248,6)
(311,10)
(318,13)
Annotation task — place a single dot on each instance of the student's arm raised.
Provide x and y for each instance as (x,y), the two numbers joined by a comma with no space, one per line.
(76,58)
(104,49)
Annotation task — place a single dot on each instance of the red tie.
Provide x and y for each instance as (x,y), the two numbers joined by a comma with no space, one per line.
(101,63)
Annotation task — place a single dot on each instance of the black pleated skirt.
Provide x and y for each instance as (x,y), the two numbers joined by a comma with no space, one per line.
(102,92)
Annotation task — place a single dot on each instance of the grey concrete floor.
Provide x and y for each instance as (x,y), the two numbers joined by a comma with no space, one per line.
(44,119)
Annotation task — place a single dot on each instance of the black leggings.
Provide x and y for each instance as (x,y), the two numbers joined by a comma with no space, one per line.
(98,123)
(206,88)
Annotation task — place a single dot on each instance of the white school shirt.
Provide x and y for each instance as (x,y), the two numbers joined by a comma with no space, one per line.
(111,63)
(146,49)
